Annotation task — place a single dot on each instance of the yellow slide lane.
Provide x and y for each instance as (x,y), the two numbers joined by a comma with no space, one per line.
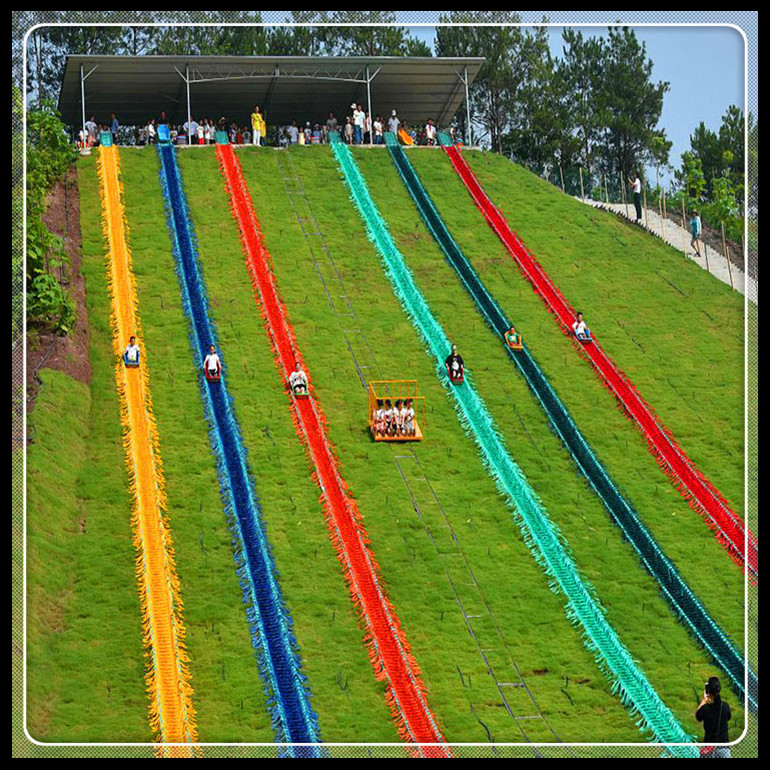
(172,716)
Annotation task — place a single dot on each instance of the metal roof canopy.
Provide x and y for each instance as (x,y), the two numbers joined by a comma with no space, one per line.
(285,87)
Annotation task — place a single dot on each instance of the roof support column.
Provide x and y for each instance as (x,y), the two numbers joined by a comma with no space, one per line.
(369,100)
(83,105)
(469,138)
(189,116)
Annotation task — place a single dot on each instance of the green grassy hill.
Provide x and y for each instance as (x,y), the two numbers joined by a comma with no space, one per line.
(675,330)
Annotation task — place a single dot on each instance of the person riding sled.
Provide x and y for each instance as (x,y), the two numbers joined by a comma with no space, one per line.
(131,353)
(298,381)
(581,331)
(455,366)
(513,339)
(212,365)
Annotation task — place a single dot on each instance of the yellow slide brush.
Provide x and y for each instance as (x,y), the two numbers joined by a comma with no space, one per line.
(172,716)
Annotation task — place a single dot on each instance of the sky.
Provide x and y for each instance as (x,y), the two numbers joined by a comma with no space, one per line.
(704,66)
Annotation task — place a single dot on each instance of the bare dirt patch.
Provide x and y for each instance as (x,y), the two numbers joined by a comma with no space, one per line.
(68,354)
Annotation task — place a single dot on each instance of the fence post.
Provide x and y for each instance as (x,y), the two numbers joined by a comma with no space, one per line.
(727,256)
(660,210)
(582,192)
(561,174)
(644,203)
(624,198)
(684,230)
(606,190)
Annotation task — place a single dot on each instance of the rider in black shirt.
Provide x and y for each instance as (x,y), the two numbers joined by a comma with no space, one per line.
(454,365)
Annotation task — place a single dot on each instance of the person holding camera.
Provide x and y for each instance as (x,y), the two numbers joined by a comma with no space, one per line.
(715,715)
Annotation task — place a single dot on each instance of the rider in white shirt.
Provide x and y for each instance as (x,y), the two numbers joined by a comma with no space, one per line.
(298,380)
(131,353)
(582,332)
(211,363)
(408,417)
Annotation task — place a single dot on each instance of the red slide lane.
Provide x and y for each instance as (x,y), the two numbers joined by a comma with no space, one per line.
(691,483)
(388,649)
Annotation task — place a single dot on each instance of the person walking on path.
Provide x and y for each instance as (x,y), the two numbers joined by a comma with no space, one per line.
(636,185)
(696,229)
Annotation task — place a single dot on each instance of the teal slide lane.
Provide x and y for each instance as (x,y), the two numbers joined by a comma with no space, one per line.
(685,605)
(541,535)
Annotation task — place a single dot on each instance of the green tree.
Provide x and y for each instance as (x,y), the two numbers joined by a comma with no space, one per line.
(495,88)
(723,207)
(538,116)
(630,105)
(367,40)
(706,146)
(49,155)
(753,166)
(732,133)
(581,72)
(691,179)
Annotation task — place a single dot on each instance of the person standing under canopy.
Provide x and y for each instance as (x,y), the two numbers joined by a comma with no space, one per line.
(257,126)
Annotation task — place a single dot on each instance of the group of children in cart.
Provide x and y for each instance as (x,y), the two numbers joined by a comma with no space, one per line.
(394,419)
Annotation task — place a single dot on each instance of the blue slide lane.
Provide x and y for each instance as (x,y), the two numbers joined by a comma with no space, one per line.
(686,606)
(293,718)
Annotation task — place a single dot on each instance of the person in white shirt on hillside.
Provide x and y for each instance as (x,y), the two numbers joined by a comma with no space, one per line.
(393,123)
(408,418)
(398,422)
(298,380)
(636,185)
(379,419)
(430,132)
(582,332)
(211,363)
(92,129)
(131,353)
(191,130)
(358,123)
(390,419)
(378,130)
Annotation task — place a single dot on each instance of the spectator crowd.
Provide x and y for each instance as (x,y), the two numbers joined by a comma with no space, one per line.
(357,128)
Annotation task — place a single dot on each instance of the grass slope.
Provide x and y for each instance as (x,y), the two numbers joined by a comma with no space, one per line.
(85,658)
(685,539)
(675,330)
(671,660)
(88,682)
(228,691)
(348,699)
(563,677)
